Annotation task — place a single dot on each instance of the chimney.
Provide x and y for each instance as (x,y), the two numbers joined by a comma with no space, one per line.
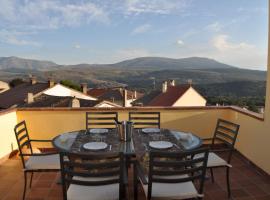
(164,86)
(33,80)
(75,103)
(124,98)
(190,82)
(172,82)
(51,82)
(84,88)
(30,98)
(135,94)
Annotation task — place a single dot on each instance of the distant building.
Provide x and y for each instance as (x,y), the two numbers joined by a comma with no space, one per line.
(172,95)
(44,100)
(37,94)
(18,95)
(3,86)
(119,96)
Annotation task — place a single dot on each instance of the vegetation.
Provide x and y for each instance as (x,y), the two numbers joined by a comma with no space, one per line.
(218,82)
(15,82)
(251,103)
(71,84)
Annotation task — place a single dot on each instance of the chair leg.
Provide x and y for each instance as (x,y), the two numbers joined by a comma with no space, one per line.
(212,175)
(31,178)
(135,183)
(228,182)
(25,184)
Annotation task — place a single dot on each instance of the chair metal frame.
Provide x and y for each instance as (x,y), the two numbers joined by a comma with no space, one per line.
(143,119)
(162,163)
(226,133)
(106,118)
(91,165)
(23,140)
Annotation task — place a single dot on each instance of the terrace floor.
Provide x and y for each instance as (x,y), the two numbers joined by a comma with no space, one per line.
(246,183)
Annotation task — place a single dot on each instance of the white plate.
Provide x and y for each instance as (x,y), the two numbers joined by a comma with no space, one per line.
(151,130)
(99,130)
(95,146)
(160,144)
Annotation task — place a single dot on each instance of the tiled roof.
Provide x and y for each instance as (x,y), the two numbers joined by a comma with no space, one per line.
(169,97)
(157,98)
(112,93)
(146,99)
(56,101)
(96,92)
(18,94)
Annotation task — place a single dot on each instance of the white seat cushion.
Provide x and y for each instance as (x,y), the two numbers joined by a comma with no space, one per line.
(104,192)
(43,162)
(214,160)
(184,190)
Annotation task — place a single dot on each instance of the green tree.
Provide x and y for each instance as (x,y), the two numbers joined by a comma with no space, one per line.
(15,82)
(71,84)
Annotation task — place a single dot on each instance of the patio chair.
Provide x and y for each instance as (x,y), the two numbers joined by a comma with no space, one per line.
(33,162)
(93,176)
(145,119)
(225,134)
(101,119)
(172,174)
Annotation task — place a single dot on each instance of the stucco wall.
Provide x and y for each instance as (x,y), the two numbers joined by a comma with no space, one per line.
(254,139)
(48,124)
(191,98)
(7,137)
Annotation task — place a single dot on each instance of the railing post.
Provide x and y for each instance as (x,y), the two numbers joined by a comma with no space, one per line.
(267,98)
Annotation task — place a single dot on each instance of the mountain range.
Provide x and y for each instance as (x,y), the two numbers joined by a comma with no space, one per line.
(139,73)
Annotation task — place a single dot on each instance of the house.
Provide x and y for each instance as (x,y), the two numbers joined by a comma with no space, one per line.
(37,94)
(17,95)
(45,100)
(120,96)
(172,95)
(3,87)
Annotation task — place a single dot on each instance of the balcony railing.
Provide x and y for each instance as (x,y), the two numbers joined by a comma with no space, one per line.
(46,123)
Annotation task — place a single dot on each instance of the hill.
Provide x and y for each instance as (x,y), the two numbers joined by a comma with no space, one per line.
(215,77)
(170,63)
(7,63)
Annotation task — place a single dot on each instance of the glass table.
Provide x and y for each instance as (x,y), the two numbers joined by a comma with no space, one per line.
(139,144)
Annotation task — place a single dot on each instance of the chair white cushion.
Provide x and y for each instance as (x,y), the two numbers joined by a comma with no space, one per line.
(43,162)
(214,160)
(184,190)
(104,192)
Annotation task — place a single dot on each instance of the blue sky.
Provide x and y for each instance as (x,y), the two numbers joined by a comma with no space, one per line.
(108,31)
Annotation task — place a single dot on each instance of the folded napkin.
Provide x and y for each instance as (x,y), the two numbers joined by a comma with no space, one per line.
(99,130)
(151,130)
(183,136)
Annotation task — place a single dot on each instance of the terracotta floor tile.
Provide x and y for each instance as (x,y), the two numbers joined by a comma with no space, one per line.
(246,184)
(237,193)
(255,191)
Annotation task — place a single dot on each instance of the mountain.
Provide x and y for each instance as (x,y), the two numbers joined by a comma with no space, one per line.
(139,73)
(170,63)
(11,63)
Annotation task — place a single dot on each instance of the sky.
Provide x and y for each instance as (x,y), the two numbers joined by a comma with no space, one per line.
(109,31)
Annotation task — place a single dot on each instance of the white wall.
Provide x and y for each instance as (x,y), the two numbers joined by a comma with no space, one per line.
(191,98)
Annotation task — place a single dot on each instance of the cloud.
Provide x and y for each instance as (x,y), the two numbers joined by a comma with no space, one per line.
(154,6)
(215,27)
(15,38)
(222,44)
(77,46)
(141,29)
(180,42)
(241,53)
(49,14)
